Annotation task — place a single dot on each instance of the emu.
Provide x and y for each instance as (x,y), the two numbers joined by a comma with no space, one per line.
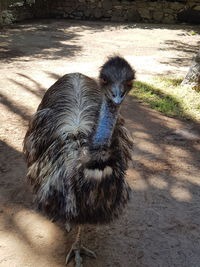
(77,149)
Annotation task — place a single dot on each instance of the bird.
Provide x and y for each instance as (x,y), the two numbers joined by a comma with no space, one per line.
(77,150)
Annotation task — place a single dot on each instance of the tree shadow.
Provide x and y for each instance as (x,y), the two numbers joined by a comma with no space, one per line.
(23,112)
(152,26)
(55,39)
(38,41)
(164,208)
(186,51)
(160,227)
(24,234)
(40,90)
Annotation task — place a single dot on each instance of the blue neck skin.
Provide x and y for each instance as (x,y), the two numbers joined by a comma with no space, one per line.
(106,122)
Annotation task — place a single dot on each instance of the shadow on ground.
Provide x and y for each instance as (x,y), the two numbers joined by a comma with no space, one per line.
(43,41)
(186,51)
(160,227)
(161,224)
(53,39)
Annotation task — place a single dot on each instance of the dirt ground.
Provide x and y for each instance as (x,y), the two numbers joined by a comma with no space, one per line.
(161,225)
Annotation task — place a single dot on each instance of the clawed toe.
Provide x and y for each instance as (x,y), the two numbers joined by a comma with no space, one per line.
(76,254)
(77,250)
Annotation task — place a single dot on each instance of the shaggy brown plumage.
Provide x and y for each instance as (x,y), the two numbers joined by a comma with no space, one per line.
(75,175)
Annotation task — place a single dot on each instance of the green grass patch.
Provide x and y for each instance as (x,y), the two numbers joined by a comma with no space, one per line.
(167,96)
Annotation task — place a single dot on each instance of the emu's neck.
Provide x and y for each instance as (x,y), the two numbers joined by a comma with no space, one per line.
(106,123)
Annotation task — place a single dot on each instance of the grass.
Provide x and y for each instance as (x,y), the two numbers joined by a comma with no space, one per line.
(167,96)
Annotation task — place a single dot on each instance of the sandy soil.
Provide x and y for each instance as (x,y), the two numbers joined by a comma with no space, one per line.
(161,225)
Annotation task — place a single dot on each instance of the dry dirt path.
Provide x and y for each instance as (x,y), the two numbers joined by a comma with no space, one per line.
(161,226)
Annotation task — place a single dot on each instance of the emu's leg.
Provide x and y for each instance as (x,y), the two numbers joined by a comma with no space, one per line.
(77,250)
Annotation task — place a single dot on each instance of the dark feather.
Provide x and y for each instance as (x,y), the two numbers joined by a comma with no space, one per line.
(71,180)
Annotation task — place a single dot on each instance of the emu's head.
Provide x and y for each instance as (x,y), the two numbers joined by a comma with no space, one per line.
(116,79)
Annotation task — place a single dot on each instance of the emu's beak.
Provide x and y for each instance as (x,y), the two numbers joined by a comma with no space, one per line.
(117,94)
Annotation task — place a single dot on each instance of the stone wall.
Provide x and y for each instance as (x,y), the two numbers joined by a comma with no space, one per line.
(150,11)
(18,12)
(134,10)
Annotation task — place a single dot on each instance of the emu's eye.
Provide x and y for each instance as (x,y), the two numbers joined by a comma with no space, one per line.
(129,83)
(103,80)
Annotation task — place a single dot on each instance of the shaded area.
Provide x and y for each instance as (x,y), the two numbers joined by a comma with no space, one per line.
(183,47)
(15,108)
(53,39)
(161,222)
(39,89)
(161,225)
(43,41)
(186,51)
(152,26)
(164,178)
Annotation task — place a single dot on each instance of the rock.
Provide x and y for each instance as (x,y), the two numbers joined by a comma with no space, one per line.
(168,11)
(107,13)
(176,6)
(153,4)
(118,15)
(141,4)
(118,7)
(7,17)
(97,13)
(158,16)
(107,4)
(144,13)
(99,5)
(132,15)
(117,18)
(87,12)
(168,19)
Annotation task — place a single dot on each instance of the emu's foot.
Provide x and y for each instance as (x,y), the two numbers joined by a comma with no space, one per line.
(76,252)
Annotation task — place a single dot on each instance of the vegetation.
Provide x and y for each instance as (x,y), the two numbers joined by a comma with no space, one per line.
(169,97)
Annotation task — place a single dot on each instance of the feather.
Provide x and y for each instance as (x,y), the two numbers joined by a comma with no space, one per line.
(73,179)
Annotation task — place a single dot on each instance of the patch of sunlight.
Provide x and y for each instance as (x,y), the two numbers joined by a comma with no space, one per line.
(17,251)
(141,134)
(189,174)
(140,185)
(54,49)
(180,193)
(37,229)
(158,182)
(135,180)
(149,147)
(169,97)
